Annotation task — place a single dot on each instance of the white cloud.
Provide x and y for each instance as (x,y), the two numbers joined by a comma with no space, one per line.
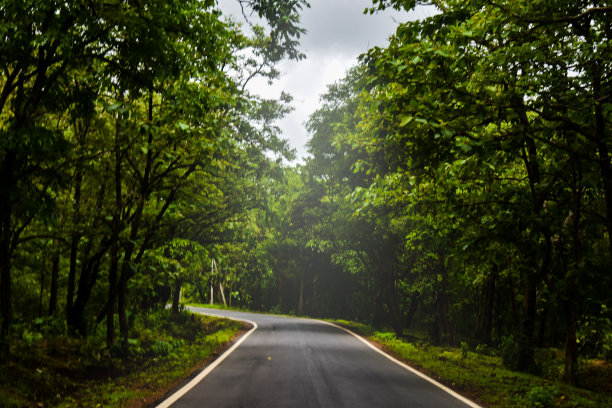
(338,32)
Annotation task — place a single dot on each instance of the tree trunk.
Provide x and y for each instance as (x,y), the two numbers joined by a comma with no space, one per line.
(434,329)
(113,270)
(570,372)
(378,316)
(530,281)
(110,310)
(314,308)
(301,300)
(525,360)
(90,269)
(543,323)
(41,291)
(5,281)
(6,212)
(74,241)
(414,303)
(122,312)
(89,273)
(53,289)
(176,296)
(602,147)
(396,320)
(486,326)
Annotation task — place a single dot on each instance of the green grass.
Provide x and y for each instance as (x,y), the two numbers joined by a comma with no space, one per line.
(273,311)
(483,378)
(68,372)
(219,307)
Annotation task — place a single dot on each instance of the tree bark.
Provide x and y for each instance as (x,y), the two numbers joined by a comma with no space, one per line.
(570,372)
(176,296)
(6,224)
(414,303)
(601,139)
(525,360)
(122,312)
(301,299)
(54,277)
(486,326)
(74,240)
(530,281)
(112,282)
(114,266)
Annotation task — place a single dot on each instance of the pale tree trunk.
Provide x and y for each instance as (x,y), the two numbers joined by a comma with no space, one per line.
(301,299)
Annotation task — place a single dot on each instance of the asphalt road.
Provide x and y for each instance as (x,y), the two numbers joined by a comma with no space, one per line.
(292,362)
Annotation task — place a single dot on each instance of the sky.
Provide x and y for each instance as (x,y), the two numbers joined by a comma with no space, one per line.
(337,33)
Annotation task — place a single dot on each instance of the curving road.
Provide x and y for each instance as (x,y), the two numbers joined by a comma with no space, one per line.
(293,362)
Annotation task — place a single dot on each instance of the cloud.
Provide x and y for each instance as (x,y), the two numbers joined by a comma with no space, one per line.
(337,33)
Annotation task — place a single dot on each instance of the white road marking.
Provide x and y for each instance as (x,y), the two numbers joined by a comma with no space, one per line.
(187,387)
(407,367)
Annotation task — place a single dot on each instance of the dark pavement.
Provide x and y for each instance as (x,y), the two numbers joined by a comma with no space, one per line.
(292,362)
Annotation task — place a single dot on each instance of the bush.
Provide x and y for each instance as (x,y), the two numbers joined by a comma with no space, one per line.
(482,349)
(542,397)
(464,349)
(594,337)
(508,348)
(166,348)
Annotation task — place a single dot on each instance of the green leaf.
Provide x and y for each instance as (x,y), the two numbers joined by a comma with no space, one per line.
(405,120)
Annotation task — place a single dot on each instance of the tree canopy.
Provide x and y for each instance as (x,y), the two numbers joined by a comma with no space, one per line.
(459,180)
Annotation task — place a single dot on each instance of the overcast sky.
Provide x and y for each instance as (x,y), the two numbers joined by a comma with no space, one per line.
(338,32)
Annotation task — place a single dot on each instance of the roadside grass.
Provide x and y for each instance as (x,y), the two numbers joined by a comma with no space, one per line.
(219,307)
(274,311)
(62,371)
(483,378)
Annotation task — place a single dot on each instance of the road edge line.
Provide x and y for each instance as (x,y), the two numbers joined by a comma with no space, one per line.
(195,380)
(461,398)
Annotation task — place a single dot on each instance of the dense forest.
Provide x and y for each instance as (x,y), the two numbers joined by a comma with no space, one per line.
(130,152)
(459,180)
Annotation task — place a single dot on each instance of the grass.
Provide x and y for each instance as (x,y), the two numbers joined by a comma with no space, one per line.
(66,372)
(218,306)
(483,378)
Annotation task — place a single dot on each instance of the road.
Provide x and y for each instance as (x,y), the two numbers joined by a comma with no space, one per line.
(299,363)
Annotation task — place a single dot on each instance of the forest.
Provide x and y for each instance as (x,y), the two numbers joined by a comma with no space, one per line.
(458,182)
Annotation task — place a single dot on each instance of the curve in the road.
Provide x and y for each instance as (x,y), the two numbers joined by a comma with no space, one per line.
(195,380)
(295,362)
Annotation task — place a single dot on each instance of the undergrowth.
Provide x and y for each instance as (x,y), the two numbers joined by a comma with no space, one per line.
(63,371)
(482,376)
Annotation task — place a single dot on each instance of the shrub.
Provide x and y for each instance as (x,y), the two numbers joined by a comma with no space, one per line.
(542,397)
(508,348)
(166,348)
(464,349)
(482,349)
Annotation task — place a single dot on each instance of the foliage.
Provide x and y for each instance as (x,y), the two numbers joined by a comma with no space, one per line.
(483,378)
(543,397)
(459,183)
(63,371)
(128,144)
(508,348)
(457,187)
